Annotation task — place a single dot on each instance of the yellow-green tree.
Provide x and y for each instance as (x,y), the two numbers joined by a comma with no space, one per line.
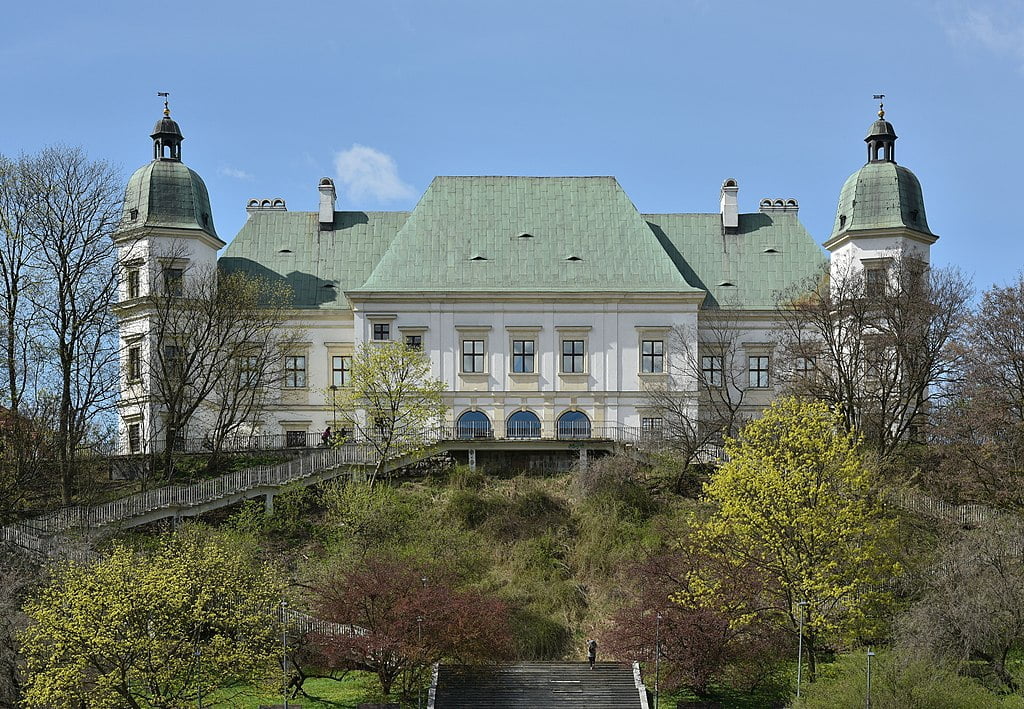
(159,628)
(394,403)
(796,501)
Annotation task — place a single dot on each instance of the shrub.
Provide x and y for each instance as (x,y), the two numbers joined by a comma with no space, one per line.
(898,682)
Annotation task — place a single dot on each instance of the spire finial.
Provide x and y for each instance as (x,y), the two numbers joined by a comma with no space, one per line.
(167,110)
(881,106)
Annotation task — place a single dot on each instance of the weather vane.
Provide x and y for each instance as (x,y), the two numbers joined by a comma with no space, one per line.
(881,106)
(164,95)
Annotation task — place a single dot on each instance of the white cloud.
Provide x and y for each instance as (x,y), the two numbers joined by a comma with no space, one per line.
(995,27)
(370,174)
(235,173)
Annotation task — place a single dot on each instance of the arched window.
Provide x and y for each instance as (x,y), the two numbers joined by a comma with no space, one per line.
(523,424)
(474,424)
(573,424)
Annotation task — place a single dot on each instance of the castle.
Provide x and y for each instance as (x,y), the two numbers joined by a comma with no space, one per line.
(546,304)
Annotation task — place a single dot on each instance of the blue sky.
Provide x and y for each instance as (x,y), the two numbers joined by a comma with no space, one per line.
(671,97)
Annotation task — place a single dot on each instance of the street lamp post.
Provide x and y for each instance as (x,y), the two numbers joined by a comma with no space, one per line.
(800,648)
(284,649)
(867,700)
(657,659)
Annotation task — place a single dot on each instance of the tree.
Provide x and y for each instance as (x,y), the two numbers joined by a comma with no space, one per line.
(980,428)
(712,361)
(58,212)
(972,602)
(795,502)
(394,403)
(163,628)
(881,359)
(700,640)
(16,578)
(217,351)
(408,618)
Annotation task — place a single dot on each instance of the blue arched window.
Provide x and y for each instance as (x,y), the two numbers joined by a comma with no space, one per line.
(474,424)
(573,424)
(523,424)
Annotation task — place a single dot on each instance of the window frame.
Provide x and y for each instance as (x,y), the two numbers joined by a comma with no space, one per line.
(341,370)
(174,281)
(577,360)
(478,360)
(381,328)
(414,341)
(655,359)
(759,377)
(295,377)
(133,364)
(520,358)
(133,283)
(711,375)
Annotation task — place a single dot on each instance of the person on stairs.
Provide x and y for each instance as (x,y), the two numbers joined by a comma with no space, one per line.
(592,653)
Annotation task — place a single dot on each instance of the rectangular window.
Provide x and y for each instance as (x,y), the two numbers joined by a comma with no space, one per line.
(135,437)
(573,356)
(472,356)
(522,356)
(341,370)
(295,439)
(174,282)
(652,356)
(804,367)
(711,370)
(381,331)
(758,370)
(172,360)
(134,363)
(414,342)
(295,371)
(874,282)
(651,425)
(132,287)
(248,371)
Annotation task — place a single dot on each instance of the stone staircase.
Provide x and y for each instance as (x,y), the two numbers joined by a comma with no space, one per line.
(539,685)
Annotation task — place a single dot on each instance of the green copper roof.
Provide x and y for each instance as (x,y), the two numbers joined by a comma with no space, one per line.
(525,234)
(280,245)
(881,195)
(166,193)
(770,252)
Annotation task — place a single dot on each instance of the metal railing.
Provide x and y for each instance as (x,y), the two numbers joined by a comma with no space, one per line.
(187,496)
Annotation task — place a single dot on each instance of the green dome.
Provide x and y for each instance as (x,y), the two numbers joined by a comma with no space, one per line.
(166,193)
(881,195)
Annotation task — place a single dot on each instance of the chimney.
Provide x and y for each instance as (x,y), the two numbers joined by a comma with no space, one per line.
(730,205)
(327,200)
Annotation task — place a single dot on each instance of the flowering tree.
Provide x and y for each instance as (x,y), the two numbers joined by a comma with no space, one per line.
(394,403)
(406,618)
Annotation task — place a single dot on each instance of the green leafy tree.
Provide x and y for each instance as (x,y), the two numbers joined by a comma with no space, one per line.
(795,501)
(394,403)
(163,628)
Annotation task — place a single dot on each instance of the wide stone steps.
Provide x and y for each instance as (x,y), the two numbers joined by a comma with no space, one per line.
(538,685)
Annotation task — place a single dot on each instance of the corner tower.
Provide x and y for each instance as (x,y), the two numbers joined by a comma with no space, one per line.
(880,215)
(166,238)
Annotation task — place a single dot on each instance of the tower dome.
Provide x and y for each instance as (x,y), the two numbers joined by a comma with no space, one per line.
(881,194)
(165,192)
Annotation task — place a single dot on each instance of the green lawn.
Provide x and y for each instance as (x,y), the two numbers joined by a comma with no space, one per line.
(347,694)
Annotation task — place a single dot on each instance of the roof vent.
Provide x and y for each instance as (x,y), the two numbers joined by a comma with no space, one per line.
(328,285)
(285,251)
(257,205)
(478,257)
(778,205)
(727,283)
(525,235)
(771,250)
(573,258)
